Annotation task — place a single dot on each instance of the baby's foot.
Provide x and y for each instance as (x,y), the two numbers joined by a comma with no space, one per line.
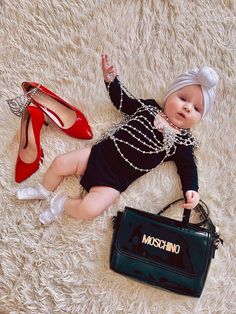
(46,217)
(31,193)
(55,210)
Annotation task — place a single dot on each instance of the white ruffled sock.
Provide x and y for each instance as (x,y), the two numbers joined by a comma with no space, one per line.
(55,210)
(37,192)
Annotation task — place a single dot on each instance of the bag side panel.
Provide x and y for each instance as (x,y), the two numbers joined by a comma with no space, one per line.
(157,276)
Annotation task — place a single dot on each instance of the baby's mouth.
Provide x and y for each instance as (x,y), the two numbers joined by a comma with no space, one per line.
(182,115)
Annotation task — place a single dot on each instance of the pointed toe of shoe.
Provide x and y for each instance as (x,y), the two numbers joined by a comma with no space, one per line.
(84,132)
(24,170)
(89,134)
(80,129)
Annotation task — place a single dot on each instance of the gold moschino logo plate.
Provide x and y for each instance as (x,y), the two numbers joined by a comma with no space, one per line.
(161,244)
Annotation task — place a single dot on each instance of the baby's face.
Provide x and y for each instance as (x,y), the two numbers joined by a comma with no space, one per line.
(184,108)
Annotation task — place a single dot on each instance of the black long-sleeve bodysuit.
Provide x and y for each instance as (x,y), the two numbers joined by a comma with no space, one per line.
(106,166)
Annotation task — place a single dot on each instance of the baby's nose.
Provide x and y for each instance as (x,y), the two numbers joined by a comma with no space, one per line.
(187,107)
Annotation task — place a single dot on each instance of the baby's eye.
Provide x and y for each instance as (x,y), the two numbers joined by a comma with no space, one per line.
(182,98)
(196,108)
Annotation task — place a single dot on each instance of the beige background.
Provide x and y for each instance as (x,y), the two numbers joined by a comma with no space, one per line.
(64,268)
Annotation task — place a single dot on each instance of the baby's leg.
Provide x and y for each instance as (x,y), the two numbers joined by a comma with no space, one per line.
(73,163)
(93,204)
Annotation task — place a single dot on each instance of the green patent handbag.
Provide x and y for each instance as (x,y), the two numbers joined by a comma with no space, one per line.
(168,253)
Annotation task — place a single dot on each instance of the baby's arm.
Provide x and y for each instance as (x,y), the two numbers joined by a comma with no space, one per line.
(187,170)
(128,105)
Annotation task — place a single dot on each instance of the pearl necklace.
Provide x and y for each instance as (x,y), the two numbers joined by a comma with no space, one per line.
(151,144)
(160,124)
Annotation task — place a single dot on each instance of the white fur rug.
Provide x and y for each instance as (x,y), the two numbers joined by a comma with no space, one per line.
(64,268)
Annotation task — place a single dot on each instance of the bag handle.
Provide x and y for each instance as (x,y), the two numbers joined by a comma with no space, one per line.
(204,212)
(186,215)
(201,207)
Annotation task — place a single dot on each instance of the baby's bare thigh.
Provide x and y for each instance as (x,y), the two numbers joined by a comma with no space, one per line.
(98,199)
(76,161)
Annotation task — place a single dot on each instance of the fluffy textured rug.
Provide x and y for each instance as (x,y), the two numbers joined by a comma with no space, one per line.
(64,268)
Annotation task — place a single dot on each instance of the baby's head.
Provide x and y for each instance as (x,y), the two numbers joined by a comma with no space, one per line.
(190,96)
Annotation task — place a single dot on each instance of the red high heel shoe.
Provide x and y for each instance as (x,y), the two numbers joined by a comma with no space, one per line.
(30,153)
(68,118)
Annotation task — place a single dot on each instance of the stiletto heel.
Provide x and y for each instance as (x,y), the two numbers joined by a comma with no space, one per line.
(18,104)
(30,153)
(68,118)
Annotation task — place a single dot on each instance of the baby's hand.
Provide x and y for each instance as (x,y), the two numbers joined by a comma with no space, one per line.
(192,199)
(109,70)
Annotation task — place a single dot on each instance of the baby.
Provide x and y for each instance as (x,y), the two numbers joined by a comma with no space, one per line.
(148,136)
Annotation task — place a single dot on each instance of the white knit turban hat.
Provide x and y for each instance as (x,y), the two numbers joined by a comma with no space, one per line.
(205,76)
